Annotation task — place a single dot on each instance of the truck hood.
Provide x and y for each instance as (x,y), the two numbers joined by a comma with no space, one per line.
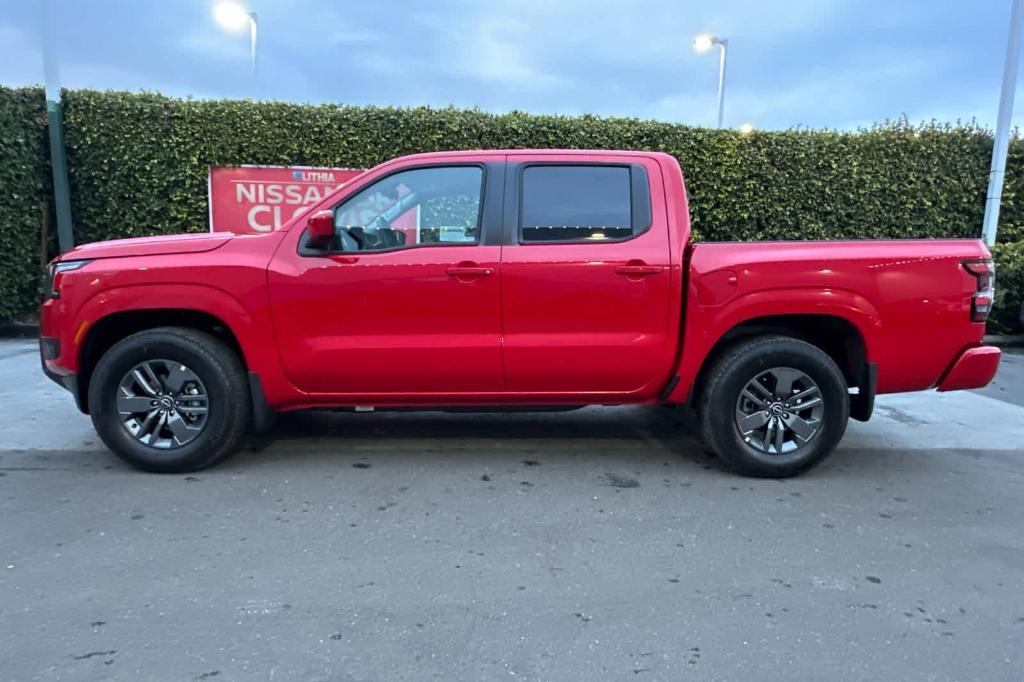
(149,246)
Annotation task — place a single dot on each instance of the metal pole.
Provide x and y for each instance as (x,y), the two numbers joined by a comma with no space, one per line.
(1002,141)
(252,42)
(55,124)
(723,45)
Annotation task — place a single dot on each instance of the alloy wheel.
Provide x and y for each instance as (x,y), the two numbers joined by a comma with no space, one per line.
(779,411)
(162,404)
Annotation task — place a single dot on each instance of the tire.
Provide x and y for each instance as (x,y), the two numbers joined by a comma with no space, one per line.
(212,369)
(773,362)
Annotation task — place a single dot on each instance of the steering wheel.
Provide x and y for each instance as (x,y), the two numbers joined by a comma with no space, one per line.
(351,238)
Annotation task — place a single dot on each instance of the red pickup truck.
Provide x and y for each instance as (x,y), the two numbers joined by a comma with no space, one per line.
(524,279)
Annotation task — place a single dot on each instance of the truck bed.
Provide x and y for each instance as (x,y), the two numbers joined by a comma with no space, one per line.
(910,300)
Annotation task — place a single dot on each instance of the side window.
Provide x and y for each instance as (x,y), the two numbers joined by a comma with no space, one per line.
(411,208)
(576,203)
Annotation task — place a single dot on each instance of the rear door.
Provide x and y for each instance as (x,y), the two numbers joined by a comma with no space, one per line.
(586,275)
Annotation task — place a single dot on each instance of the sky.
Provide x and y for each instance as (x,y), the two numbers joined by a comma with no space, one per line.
(837,64)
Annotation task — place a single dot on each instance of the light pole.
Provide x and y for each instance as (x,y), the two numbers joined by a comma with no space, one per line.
(235,18)
(55,127)
(1002,141)
(703,43)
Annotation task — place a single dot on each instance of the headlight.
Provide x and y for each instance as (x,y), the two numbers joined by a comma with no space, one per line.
(51,288)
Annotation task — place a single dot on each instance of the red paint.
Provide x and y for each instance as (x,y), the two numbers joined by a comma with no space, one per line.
(487,323)
(575,322)
(910,300)
(976,367)
(388,323)
(152,246)
(255,199)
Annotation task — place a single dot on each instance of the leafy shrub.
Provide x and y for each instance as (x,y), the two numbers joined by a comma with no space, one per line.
(1005,318)
(24,180)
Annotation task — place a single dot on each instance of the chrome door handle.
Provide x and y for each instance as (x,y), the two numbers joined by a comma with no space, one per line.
(639,270)
(469,271)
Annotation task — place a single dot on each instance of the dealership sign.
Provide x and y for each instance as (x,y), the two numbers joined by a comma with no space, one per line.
(254,199)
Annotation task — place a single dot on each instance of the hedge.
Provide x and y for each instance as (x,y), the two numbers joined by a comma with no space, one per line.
(138,165)
(24,184)
(1005,318)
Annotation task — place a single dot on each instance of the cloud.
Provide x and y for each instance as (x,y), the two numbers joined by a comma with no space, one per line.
(480,46)
(22,64)
(20,56)
(309,23)
(499,52)
(207,41)
(816,63)
(107,77)
(828,96)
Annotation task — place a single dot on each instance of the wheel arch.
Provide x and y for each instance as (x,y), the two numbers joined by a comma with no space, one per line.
(837,336)
(102,334)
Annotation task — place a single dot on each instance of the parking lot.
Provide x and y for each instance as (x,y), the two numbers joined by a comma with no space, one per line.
(598,544)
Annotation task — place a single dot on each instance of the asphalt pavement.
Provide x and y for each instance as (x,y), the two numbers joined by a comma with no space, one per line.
(602,544)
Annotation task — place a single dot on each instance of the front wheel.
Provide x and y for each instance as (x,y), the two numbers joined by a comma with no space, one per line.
(774,407)
(170,400)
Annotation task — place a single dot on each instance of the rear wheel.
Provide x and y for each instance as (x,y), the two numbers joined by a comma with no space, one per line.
(774,407)
(170,399)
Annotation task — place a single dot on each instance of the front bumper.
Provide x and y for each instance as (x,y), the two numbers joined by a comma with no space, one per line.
(48,350)
(973,369)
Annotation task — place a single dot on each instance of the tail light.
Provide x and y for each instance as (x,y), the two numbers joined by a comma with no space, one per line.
(984,271)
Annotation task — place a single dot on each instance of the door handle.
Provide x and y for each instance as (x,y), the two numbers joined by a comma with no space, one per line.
(639,270)
(469,271)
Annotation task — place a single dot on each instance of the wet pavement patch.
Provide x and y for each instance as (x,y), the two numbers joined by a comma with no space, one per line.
(94,653)
(901,416)
(617,481)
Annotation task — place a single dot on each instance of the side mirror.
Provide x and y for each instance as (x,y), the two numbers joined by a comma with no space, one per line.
(320,228)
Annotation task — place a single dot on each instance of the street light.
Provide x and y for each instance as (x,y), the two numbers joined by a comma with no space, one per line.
(234,17)
(1002,137)
(55,121)
(746,129)
(703,43)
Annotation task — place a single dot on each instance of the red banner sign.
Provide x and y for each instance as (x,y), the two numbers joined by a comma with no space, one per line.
(253,199)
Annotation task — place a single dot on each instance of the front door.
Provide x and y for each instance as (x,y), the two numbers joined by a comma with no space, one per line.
(407,301)
(586,275)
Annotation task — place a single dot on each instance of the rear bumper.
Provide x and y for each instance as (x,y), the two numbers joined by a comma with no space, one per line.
(973,369)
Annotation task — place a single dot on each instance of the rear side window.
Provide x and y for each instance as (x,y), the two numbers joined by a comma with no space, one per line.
(576,204)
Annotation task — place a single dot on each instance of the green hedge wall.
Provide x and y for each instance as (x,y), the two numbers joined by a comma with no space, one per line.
(139,166)
(24,184)
(1005,318)
(139,163)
